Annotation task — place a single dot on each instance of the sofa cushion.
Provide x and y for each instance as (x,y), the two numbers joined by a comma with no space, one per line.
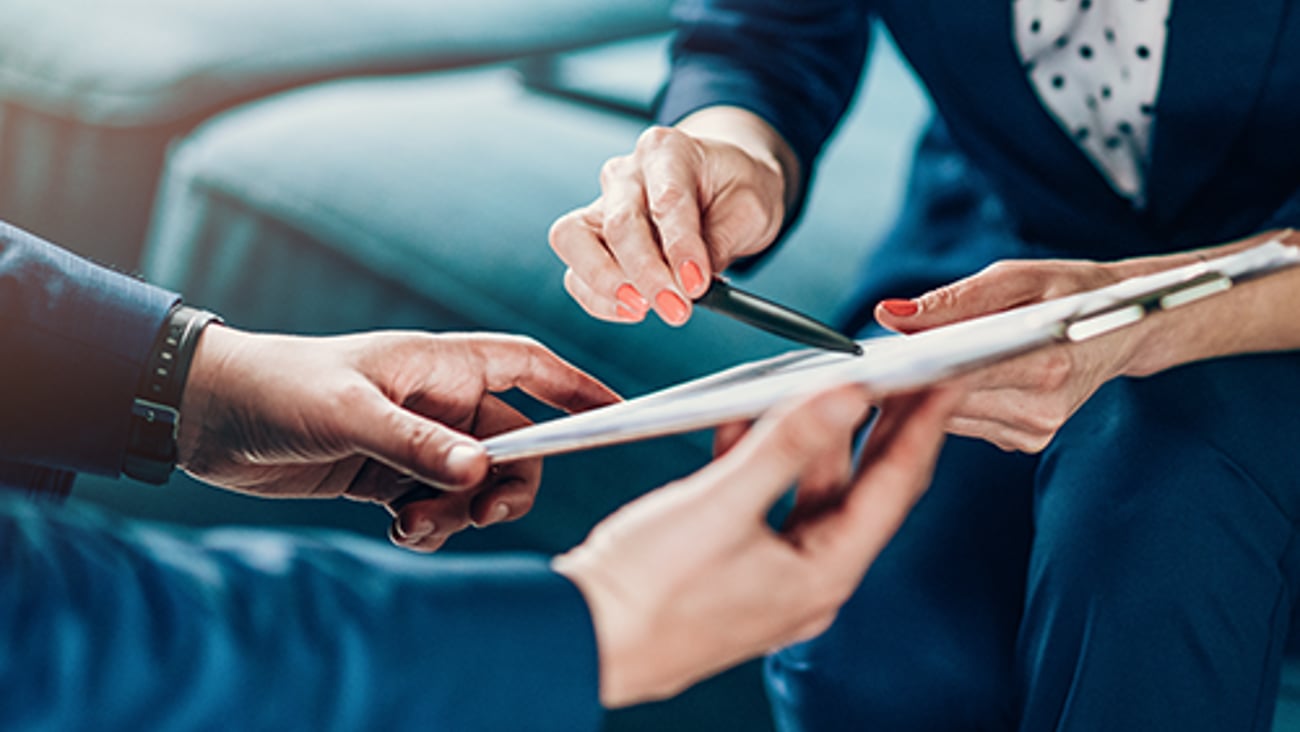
(92,91)
(140,62)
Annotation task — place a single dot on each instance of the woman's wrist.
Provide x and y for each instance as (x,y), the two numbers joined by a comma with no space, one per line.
(1249,318)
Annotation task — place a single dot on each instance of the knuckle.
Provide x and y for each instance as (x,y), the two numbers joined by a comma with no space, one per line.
(1041,423)
(666,198)
(562,229)
(418,440)
(656,137)
(749,205)
(1000,440)
(620,222)
(1007,268)
(942,298)
(1054,371)
(352,397)
(615,168)
(1033,444)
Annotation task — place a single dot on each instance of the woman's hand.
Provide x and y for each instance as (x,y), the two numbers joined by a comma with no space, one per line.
(685,204)
(371,417)
(1021,403)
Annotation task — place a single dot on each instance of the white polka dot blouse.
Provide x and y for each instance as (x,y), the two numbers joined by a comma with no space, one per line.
(1096,65)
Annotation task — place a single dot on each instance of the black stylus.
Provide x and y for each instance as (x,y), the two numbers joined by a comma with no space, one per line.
(724,298)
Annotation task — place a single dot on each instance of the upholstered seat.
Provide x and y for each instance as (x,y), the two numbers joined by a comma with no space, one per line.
(93,91)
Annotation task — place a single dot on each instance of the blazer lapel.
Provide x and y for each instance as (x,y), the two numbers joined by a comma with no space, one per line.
(1216,59)
(983,75)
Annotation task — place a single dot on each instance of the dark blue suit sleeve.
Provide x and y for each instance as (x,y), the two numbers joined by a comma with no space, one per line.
(75,338)
(1287,216)
(795,64)
(105,624)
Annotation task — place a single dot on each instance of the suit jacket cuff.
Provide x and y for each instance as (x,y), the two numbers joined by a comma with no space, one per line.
(76,338)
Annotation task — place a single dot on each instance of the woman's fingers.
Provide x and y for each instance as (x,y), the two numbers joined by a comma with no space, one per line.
(595,279)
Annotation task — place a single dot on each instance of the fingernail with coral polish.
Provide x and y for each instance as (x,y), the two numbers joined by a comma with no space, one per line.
(626,314)
(632,299)
(671,307)
(901,308)
(692,277)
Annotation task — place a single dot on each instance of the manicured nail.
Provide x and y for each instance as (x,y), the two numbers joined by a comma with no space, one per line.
(671,307)
(625,313)
(692,277)
(461,458)
(901,308)
(632,299)
(499,513)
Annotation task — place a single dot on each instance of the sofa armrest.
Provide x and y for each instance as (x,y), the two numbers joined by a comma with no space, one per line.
(142,63)
(623,77)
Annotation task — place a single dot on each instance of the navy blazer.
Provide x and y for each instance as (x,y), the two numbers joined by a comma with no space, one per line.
(75,338)
(109,625)
(1224,164)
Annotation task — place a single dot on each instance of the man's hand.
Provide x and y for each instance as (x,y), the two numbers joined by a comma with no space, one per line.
(685,204)
(690,580)
(370,417)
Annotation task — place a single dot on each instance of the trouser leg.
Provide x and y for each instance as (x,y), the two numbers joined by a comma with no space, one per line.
(1159,588)
(926,642)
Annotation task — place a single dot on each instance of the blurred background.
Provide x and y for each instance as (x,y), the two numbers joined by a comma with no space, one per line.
(327,166)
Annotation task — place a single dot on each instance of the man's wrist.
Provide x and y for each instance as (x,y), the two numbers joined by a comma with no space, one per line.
(151,443)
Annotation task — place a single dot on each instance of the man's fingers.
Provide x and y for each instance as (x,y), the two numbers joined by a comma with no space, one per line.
(412,444)
(425,525)
(516,362)
(896,469)
(783,445)
(510,489)
(727,435)
(824,482)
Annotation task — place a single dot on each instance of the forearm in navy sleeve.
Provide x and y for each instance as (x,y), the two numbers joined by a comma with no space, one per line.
(105,624)
(795,64)
(74,339)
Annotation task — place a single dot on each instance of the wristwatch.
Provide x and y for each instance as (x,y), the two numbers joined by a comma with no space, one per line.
(155,412)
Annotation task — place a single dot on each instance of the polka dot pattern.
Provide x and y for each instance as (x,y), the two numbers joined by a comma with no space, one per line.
(1096,65)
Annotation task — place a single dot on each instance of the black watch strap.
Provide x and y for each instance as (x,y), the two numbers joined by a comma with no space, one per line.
(155,413)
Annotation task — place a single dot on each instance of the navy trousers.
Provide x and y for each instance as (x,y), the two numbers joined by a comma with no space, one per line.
(1139,574)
